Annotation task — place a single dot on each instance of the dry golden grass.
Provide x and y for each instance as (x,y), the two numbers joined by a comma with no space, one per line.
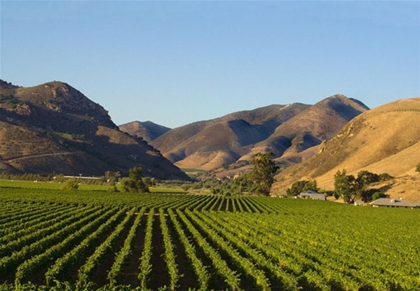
(206,161)
(216,143)
(383,140)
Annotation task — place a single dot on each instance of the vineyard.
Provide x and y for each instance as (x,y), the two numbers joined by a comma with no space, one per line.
(90,240)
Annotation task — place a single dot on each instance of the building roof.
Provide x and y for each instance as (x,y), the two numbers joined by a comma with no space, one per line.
(394,203)
(310,192)
(313,195)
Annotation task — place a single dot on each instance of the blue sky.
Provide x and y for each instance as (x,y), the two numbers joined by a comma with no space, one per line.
(176,62)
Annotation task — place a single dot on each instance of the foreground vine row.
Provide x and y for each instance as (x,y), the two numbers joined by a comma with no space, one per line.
(205,243)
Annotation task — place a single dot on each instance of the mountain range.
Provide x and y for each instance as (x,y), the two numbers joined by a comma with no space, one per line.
(309,141)
(54,128)
(385,139)
(292,132)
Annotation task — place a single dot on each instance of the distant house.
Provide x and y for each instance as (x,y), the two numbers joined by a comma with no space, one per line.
(391,202)
(309,194)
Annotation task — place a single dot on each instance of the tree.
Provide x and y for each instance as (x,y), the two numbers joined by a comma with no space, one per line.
(342,185)
(418,168)
(134,182)
(378,195)
(150,182)
(71,184)
(262,175)
(385,177)
(350,188)
(300,186)
(112,177)
(365,178)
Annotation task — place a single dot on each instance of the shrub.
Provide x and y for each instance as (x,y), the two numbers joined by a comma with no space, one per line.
(378,195)
(134,183)
(71,184)
(300,186)
(385,177)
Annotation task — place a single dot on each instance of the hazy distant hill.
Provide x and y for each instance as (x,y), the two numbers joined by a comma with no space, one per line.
(385,139)
(55,128)
(292,132)
(214,143)
(147,129)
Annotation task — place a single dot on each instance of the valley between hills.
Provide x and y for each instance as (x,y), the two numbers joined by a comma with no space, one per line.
(310,143)
(53,127)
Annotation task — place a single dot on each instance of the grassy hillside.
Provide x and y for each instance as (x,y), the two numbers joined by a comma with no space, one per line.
(382,140)
(292,132)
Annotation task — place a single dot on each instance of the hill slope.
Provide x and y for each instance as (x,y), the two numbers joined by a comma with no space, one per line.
(55,128)
(292,132)
(146,130)
(382,140)
(218,142)
(298,138)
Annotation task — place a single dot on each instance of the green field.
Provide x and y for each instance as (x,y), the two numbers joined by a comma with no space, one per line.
(87,240)
(84,187)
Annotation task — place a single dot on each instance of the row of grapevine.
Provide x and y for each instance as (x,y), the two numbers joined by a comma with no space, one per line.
(95,259)
(26,251)
(273,269)
(21,218)
(197,265)
(212,242)
(77,254)
(114,275)
(10,233)
(293,254)
(38,197)
(316,254)
(221,266)
(242,263)
(169,252)
(73,237)
(145,264)
(17,240)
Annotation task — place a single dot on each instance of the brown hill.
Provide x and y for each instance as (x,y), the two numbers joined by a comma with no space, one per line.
(146,130)
(382,140)
(55,128)
(219,142)
(297,139)
(292,132)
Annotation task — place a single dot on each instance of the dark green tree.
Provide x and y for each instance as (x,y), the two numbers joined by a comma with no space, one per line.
(262,174)
(71,184)
(378,195)
(112,177)
(350,188)
(418,168)
(343,185)
(134,182)
(300,186)
(385,177)
(365,178)
(150,182)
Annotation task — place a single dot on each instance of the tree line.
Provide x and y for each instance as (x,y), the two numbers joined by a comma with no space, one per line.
(256,182)
(347,187)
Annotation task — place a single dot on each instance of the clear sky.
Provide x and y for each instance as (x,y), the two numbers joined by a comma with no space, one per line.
(176,62)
